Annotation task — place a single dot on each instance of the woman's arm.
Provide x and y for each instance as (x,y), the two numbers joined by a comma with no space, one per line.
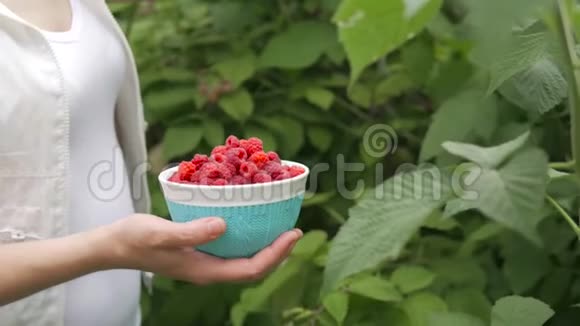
(142,242)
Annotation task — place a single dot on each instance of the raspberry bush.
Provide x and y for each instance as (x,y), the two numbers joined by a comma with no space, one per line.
(484,90)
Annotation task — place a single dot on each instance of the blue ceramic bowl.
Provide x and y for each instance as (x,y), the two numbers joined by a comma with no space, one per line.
(255,214)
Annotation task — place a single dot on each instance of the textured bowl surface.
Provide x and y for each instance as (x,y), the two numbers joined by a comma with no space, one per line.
(255,214)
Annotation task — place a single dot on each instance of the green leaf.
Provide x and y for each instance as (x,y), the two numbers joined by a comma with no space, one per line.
(290,134)
(370,29)
(309,245)
(458,272)
(237,69)
(180,140)
(512,194)
(375,288)
(238,105)
(454,319)
(523,52)
(469,301)
(320,97)
(391,214)
(336,303)
(412,278)
(254,299)
(298,47)
(524,265)
(486,157)
(539,88)
(421,307)
(317,199)
(270,143)
(161,103)
(419,60)
(514,310)
(457,119)
(213,132)
(320,137)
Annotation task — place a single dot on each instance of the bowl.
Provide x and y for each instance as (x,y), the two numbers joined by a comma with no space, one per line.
(255,214)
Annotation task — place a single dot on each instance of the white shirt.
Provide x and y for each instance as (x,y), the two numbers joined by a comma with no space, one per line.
(94,65)
(35,150)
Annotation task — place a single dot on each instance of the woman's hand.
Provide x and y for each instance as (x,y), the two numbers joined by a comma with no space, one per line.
(157,245)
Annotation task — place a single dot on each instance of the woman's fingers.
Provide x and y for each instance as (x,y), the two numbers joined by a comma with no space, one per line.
(188,234)
(248,269)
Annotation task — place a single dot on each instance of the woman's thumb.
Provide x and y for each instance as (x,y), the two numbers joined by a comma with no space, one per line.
(196,232)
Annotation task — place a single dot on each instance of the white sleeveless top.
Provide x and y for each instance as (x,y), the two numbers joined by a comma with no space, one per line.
(94,65)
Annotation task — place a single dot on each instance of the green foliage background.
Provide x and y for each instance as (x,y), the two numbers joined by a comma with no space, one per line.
(478,86)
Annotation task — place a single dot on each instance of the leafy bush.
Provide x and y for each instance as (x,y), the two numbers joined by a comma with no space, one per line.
(478,234)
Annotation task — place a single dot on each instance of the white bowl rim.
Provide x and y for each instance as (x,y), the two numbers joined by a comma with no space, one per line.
(165,175)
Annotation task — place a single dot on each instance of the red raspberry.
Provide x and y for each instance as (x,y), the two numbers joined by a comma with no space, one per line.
(259,158)
(219,158)
(186,170)
(239,180)
(273,169)
(175,178)
(219,182)
(283,175)
(231,168)
(261,177)
(252,145)
(295,171)
(210,170)
(273,156)
(196,177)
(236,156)
(237,152)
(248,169)
(221,149)
(205,181)
(232,141)
(199,160)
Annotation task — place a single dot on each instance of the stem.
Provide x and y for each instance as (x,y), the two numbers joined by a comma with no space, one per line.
(353,109)
(569,44)
(563,165)
(564,214)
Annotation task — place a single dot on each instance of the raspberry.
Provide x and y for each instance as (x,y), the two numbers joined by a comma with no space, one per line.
(273,169)
(219,158)
(225,171)
(221,149)
(231,168)
(239,180)
(259,158)
(252,145)
(232,141)
(199,160)
(186,170)
(219,182)
(205,181)
(295,171)
(273,156)
(248,169)
(236,156)
(237,152)
(261,177)
(195,177)
(175,178)
(283,175)
(210,170)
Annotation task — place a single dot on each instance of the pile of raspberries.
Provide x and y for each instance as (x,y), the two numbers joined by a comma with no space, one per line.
(238,162)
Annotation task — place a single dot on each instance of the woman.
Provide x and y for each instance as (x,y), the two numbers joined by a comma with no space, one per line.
(68,102)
